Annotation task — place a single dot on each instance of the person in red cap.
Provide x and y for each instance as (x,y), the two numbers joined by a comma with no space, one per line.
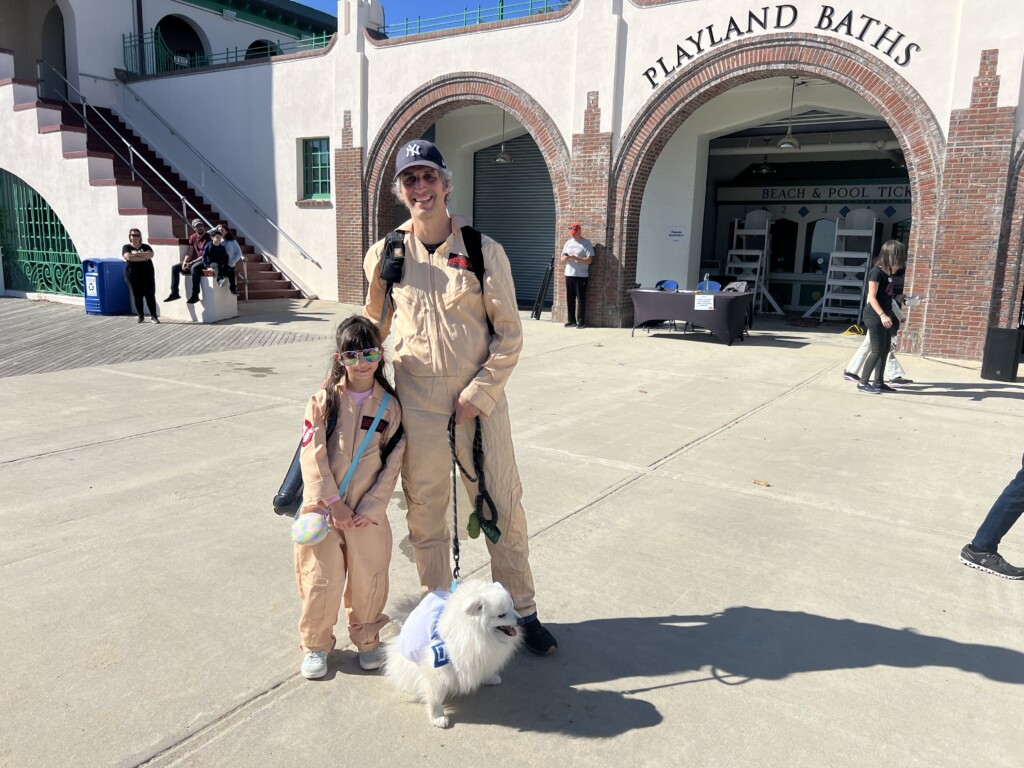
(577,255)
(448,361)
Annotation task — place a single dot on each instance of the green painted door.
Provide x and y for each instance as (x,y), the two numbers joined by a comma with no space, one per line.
(39,256)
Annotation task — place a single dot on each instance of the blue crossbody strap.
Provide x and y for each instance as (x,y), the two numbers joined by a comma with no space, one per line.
(362,446)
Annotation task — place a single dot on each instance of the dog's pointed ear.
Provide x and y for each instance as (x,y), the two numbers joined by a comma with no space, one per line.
(477,606)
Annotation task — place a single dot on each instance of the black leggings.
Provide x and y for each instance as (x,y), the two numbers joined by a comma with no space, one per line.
(881,342)
(142,281)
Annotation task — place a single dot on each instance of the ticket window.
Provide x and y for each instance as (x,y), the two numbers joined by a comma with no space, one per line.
(783,252)
(818,245)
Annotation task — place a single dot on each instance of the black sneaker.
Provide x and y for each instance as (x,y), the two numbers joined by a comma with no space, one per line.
(193,299)
(156,320)
(581,325)
(173,297)
(872,389)
(536,638)
(900,381)
(885,388)
(989,562)
(142,319)
(570,324)
(850,376)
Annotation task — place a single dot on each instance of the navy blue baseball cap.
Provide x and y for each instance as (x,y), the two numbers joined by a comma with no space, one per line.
(419,152)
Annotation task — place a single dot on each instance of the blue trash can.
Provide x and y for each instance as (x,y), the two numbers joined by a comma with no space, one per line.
(105,287)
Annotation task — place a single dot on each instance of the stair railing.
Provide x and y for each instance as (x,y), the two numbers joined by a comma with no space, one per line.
(132,153)
(216,171)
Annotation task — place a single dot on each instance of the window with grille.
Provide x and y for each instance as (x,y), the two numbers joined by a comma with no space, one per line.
(316,169)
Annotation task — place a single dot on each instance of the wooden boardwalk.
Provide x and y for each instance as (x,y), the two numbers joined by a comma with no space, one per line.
(39,337)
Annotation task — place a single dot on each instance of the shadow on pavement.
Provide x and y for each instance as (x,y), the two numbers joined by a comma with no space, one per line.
(733,647)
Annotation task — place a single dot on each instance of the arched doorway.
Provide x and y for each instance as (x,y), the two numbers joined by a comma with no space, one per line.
(483,98)
(916,131)
(38,255)
(53,51)
(179,44)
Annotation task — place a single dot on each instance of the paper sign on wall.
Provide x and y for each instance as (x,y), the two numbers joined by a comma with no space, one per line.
(704,302)
(677,233)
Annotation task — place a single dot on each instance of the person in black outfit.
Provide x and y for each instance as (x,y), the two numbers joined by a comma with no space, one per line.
(139,273)
(879,318)
(216,253)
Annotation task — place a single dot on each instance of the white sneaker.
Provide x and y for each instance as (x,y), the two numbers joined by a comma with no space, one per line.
(370,660)
(314,665)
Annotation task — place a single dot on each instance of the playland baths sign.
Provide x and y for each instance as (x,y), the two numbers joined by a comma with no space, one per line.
(884,38)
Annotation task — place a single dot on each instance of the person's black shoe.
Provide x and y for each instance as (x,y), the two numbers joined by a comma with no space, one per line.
(570,324)
(193,299)
(173,297)
(990,562)
(142,319)
(536,638)
(581,325)
(234,291)
(156,320)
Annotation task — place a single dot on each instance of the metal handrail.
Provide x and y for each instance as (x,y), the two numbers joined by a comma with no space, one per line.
(224,178)
(132,154)
(473,16)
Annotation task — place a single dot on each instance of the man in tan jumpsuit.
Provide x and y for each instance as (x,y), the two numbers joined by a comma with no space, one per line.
(447,361)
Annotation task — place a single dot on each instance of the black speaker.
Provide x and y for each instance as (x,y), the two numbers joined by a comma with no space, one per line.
(1002,354)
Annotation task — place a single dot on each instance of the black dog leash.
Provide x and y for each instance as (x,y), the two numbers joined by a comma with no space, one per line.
(487,524)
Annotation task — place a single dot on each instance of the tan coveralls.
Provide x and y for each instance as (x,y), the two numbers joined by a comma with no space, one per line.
(363,553)
(443,349)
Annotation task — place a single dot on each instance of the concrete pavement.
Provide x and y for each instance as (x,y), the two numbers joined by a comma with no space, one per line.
(746,562)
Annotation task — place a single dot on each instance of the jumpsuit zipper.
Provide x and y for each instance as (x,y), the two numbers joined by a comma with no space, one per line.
(437,314)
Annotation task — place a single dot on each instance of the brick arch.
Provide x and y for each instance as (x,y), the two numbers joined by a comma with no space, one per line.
(905,111)
(435,99)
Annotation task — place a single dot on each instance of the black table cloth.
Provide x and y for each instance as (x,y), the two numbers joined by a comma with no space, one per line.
(727,320)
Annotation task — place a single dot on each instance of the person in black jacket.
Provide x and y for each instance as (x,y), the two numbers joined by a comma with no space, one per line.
(139,273)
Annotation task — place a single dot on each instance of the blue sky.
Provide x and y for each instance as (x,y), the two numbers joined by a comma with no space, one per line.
(395,10)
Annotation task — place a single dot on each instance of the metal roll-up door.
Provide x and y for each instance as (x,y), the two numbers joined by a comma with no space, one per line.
(514,204)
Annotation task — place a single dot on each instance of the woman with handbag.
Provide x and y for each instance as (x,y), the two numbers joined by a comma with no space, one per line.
(343,539)
(879,316)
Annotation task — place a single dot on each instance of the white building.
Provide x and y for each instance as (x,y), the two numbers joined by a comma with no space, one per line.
(659,124)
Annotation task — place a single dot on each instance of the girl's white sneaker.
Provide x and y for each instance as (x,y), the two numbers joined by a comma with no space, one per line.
(314,665)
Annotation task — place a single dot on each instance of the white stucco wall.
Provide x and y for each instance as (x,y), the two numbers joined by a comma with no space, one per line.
(252,135)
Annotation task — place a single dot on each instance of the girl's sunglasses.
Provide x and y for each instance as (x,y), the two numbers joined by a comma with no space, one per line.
(351,357)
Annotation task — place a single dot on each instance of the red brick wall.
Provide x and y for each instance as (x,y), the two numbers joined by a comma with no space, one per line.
(591,166)
(350,208)
(967,262)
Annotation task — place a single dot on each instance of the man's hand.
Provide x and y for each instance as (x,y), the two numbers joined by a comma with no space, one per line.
(465,410)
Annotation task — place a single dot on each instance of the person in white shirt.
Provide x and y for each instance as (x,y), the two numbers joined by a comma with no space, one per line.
(577,255)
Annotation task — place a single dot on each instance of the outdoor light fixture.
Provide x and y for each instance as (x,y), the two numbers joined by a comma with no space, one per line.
(765,168)
(503,157)
(789,140)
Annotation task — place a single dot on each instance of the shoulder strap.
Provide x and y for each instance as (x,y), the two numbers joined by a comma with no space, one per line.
(475,251)
(362,446)
(390,446)
(389,272)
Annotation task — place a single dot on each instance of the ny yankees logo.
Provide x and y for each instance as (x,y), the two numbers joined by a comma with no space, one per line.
(412,150)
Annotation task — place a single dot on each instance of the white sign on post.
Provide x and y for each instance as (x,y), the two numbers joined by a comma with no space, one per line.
(703,302)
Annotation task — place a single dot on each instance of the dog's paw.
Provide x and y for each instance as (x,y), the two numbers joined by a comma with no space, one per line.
(440,722)
(494,679)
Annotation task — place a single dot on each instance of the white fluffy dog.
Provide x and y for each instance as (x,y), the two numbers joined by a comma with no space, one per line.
(452,643)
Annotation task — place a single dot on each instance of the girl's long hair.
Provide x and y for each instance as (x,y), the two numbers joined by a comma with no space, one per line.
(892,257)
(354,333)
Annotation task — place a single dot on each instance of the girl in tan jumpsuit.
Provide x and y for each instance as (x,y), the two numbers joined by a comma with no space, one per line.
(353,560)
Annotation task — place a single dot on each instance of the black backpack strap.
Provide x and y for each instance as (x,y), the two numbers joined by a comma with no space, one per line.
(390,445)
(389,273)
(475,251)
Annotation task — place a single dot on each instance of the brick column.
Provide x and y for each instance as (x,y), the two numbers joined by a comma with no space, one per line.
(967,271)
(350,213)
(589,173)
